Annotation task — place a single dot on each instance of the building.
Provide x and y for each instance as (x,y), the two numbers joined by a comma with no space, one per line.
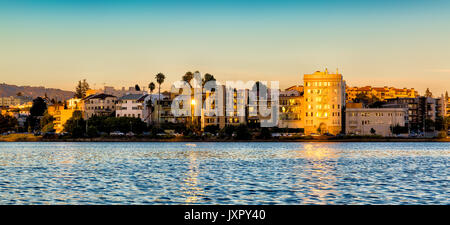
(291,109)
(15,101)
(61,115)
(382,93)
(75,103)
(133,105)
(379,121)
(324,101)
(99,105)
(421,110)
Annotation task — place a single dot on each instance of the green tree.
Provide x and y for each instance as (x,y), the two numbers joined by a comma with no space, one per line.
(81,89)
(47,123)
(373,131)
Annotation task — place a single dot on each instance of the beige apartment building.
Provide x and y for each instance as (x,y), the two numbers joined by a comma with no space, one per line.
(361,121)
(291,108)
(324,101)
(99,105)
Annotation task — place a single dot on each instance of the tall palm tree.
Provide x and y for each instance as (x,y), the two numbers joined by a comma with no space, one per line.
(151,87)
(159,79)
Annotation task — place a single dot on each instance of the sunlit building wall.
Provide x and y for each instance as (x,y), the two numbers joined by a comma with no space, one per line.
(324,102)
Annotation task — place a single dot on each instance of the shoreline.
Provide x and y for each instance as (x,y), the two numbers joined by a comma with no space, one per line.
(226,140)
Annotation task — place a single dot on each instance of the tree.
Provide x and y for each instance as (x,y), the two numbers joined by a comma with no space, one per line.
(47,123)
(38,108)
(81,89)
(151,87)
(428,93)
(242,132)
(446,96)
(149,103)
(265,133)
(188,76)
(160,77)
(19,94)
(76,125)
(7,123)
(208,77)
(373,131)
(137,88)
(227,131)
(213,129)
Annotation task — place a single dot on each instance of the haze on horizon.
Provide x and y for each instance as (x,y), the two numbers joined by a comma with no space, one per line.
(121,43)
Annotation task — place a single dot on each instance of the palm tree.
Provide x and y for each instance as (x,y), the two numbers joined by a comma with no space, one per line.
(151,87)
(159,79)
(188,76)
(149,105)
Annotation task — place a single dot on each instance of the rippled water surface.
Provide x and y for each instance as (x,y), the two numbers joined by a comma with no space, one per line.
(224,173)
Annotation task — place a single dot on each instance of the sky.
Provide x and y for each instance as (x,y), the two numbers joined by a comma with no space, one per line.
(51,43)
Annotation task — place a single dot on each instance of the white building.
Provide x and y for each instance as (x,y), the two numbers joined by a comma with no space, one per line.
(133,105)
(361,121)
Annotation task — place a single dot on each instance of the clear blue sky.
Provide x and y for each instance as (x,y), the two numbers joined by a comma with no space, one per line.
(120,43)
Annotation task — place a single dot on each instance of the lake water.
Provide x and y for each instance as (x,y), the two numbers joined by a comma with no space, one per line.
(224,173)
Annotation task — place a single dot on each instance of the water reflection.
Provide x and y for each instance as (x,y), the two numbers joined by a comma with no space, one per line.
(191,188)
(224,173)
(320,169)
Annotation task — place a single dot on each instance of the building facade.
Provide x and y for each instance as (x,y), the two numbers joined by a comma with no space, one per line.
(370,121)
(61,115)
(133,105)
(291,109)
(382,93)
(99,105)
(324,95)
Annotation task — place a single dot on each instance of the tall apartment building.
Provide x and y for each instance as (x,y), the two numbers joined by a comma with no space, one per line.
(324,102)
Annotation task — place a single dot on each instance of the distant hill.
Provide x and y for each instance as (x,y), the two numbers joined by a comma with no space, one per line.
(7,90)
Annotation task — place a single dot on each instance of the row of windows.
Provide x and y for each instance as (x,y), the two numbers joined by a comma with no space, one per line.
(129,115)
(321,84)
(98,107)
(367,114)
(320,114)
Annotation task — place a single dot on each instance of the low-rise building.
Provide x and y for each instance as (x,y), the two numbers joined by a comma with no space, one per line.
(379,121)
(133,105)
(382,93)
(99,105)
(15,101)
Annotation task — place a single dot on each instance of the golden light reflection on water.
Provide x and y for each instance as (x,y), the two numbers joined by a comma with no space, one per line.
(190,188)
(322,180)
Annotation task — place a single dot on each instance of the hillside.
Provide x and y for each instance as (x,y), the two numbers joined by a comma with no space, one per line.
(7,90)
